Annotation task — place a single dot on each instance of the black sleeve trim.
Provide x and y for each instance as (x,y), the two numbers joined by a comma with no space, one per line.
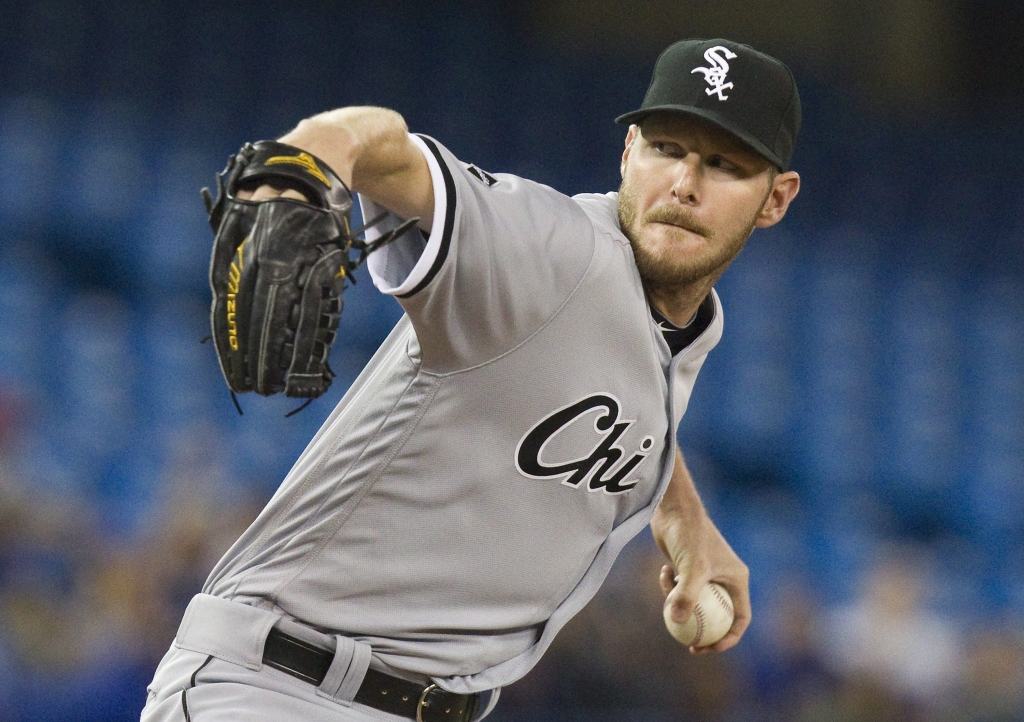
(449,220)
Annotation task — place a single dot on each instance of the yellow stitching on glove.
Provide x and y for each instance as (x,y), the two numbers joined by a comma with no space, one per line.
(306,161)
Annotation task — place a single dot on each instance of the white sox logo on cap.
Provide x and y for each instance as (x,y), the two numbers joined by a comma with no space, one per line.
(765,110)
(715,75)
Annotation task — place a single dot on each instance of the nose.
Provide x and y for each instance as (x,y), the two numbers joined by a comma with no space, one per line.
(686,187)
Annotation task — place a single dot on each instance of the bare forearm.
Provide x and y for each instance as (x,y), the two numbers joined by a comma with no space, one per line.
(370,149)
(680,505)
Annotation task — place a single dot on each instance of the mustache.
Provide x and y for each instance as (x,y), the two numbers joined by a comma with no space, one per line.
(677,216)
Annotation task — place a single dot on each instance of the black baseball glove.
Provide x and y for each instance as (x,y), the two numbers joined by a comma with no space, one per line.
(278,270)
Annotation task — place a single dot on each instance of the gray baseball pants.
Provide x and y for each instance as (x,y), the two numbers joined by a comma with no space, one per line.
(214,672)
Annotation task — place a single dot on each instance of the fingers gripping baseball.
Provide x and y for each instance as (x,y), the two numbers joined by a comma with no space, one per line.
(687,583)
(699,554)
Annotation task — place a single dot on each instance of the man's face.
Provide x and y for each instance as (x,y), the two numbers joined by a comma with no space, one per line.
(690,197)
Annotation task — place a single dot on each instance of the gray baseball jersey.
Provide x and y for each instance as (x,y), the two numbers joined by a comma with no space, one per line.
(470,492)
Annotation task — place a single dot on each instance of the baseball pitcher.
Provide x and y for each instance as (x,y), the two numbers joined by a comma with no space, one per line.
(470,492)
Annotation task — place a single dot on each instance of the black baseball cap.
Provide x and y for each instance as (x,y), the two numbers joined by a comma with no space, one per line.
(749,94)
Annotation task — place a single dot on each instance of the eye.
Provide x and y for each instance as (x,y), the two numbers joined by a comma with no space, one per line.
(667,149)
(723,163)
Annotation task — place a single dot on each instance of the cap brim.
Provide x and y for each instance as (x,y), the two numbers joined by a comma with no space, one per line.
(753,143)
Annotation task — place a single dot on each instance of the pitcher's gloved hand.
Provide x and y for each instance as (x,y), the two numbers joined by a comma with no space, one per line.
(279,266)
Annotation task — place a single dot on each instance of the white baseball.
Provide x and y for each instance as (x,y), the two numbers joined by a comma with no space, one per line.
(711,619)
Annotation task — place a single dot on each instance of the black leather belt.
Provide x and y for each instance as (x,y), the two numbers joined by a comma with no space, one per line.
(380,691)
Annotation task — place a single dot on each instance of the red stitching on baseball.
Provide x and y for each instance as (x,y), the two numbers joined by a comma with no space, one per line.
(726,602)
(699,613)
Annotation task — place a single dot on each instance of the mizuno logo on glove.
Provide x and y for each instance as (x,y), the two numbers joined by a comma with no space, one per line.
(234,277)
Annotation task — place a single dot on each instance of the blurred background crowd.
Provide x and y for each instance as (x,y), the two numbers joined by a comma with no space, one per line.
(858,435)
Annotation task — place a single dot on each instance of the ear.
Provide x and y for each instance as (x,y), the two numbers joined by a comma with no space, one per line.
(784,190)
(631,135)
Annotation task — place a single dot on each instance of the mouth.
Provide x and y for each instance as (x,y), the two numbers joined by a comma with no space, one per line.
(682,227)
(678,218)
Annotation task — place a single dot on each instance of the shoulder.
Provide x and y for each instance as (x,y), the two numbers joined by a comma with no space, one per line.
(495,194)
(603,211)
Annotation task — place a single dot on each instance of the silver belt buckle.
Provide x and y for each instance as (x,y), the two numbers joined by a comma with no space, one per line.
(423,702)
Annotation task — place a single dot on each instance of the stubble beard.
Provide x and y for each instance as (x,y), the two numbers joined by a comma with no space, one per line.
(664,274)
